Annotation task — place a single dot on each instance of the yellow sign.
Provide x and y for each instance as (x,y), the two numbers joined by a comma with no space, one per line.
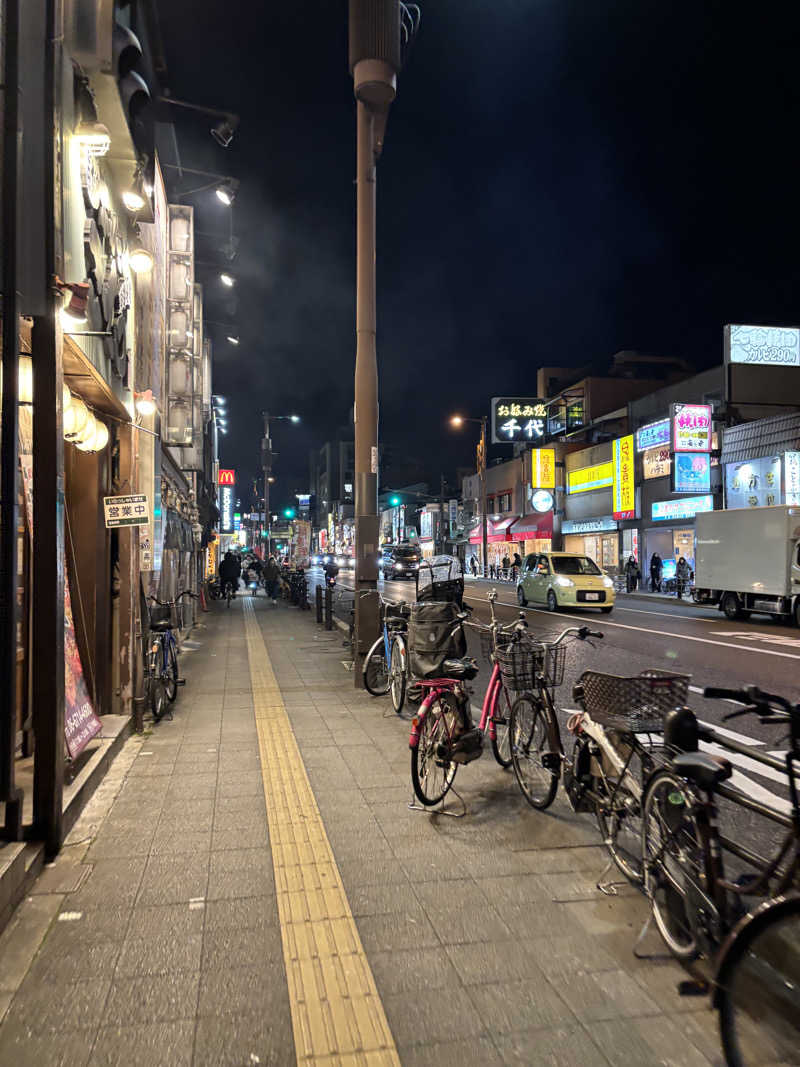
(543,468)
(624,483)
(600,476)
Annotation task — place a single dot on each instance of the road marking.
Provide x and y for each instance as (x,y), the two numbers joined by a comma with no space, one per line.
(337,1014)
(744,762)
(658,633)
(770,639)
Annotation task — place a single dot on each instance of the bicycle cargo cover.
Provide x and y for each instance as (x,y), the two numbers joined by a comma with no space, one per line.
(431,639)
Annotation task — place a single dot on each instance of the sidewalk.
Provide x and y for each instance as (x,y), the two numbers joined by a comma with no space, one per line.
(186,922)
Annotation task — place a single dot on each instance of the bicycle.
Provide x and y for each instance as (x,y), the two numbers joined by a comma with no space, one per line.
(754,954)
(161,661)
(610,761)
(229,590)
(386,663)
(442,735)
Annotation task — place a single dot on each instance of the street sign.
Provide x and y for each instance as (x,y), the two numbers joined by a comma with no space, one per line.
(126,511)
(518,419)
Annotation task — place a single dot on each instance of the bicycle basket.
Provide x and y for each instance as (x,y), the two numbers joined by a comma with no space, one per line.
(633,705)
(519,663)
(441,579)
(487,643)
(160,614)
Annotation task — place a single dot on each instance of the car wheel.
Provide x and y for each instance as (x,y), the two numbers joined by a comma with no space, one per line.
(552,602)
(521,599)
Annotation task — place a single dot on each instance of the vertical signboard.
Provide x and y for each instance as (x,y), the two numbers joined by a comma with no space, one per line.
(624,483)
(543,468)
(792,474)
(691,427)
(452,515)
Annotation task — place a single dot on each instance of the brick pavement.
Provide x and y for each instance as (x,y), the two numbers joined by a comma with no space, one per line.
(158,934)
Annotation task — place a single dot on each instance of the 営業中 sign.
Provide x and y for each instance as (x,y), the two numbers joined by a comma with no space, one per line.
(518,419)
(126,511)
(691,427)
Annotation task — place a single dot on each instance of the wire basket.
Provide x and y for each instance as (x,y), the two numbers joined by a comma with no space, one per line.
(526,664)
(633,705)
(160,613)
(488,640)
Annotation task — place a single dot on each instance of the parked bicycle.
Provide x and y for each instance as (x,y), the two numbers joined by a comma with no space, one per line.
(442,733)
(386,663)
(161,658)
(613,753)
(754,954)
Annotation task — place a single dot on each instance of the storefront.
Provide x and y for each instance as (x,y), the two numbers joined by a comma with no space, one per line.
(499,541)
(596,538)
(533,533)
(670,531)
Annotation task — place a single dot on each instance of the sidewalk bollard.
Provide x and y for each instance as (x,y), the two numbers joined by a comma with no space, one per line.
(328,608)
(319,604)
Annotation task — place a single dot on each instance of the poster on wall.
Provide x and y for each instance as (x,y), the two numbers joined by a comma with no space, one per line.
(792,475)
(691,472)
(691,427)
(755,483)
(657,462)
(80,722)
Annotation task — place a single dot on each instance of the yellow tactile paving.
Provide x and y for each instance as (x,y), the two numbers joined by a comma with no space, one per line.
(337,1015)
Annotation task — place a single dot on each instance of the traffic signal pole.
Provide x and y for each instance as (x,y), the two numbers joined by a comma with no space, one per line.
(266,464)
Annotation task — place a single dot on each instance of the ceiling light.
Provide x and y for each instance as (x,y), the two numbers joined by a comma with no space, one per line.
(224,130)
(133,200)
(76,299)
(227,279)
(233,339)
(226,191)
(140,260)
(145,404)
(94,136)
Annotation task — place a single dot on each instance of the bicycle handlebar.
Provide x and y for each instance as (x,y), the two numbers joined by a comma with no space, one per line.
(169,603)
(756,702)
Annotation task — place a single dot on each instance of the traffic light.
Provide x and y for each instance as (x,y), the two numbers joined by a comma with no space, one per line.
(394,501)
(288,513)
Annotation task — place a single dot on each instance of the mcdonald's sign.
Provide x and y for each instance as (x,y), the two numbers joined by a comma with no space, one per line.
(227,477)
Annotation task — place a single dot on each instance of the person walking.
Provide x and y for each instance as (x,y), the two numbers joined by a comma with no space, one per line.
(473,566)
(516,566)
(505,564)
(656,568)
(682,576)
(632,574)
(272,575)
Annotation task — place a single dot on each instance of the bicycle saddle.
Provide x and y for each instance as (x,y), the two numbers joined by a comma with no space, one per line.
(161,626)
(462,669)
(705,771)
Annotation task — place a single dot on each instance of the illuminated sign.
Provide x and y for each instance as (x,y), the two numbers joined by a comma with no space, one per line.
(600,476)
(542,500)
(226,505)
(543,468)
(624,482)
(766,346)
(691,472)
(227,478)
(518,419)
(681,509)
(237,520)
(691,427)
(588,526)
(755,483)
(657,462)
(654,433)
(792,475)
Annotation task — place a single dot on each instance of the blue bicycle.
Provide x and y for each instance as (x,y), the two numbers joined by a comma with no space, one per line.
(386,663)
(161,659)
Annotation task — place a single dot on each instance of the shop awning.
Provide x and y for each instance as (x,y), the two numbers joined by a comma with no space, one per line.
(533,526)
(84,379)
(497,531)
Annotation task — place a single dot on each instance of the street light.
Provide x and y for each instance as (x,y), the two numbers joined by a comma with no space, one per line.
(227,279)
(458,421)
(266,462)
(232,339)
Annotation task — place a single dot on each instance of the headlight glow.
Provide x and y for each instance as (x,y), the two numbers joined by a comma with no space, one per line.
(399,567)
(340,561)
(564,582)
(607,583)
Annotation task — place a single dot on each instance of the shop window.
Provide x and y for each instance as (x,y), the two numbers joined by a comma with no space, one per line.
(504,502)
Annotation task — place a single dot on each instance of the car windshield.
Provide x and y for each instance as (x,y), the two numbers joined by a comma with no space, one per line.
(406,553)
(574,565)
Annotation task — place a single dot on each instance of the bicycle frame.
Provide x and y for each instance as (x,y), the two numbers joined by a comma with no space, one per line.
(437,687)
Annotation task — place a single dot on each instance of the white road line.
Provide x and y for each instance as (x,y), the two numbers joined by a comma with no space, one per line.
(757,792)
(743,739)
(751,765)
(664,614)
(658,633)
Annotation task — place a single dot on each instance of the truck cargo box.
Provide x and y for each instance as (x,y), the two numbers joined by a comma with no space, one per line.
(746,550)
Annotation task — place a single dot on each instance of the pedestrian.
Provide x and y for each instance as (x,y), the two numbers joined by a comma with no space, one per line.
(656,567)
(492,570)
(229,572)
(272,576)
(506,564)
(473,566)
(632,574)
(516,566)
(682,576)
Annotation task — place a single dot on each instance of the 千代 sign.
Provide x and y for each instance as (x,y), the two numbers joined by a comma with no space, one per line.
(691,428)
(518,419)
(126,511)
(765,346)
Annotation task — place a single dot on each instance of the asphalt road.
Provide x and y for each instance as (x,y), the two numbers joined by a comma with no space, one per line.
(699,642)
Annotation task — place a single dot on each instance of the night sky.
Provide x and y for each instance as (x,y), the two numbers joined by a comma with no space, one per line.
(561,180)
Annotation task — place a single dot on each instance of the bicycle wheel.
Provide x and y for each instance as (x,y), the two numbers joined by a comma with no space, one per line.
(501,742)
(432,773)
(672,854)
(620,818)
(397,674)
(376,670)
(171,674)
(758,988)
(530,740)
(157,696)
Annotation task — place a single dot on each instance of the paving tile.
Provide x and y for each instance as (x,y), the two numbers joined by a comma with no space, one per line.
(173,841)
(456,923)
(106,923)
(58,961)
(568,1045)
(432,1020)
(190,786)
(604,995)
(522,1005)
(243,990)
(177,920)
(387,933)
(151,998)
(480,963)
(413,971)
(159,955)
(168,879)
(243,913)
(477,1050)
(631,1042)
(233,1040)
(40,1009)
(114,880)
(156,1044)
(19,1048)
(110,843)
(227,947)
(224,884)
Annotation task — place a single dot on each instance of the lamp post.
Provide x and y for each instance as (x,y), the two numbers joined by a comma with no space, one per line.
(266,464)
(459,420)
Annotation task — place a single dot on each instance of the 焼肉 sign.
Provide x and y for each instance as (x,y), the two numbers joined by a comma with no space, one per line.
(691,428)
(653,434)
(543,468)
(599,476)
(766,346)
(681,509)
(624,482)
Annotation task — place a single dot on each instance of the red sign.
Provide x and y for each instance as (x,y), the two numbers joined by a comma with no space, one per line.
(227,478)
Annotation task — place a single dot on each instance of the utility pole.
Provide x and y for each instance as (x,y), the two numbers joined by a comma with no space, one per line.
(266,466)
(441,538)
(484,517)
(375,60)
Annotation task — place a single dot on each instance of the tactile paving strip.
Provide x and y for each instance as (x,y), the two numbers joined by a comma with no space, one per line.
(337,1015)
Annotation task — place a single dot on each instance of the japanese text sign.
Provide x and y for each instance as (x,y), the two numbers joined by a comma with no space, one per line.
(681,509)
(792,474)
(656,462)
(624,483)
(543,468)
(691,427)
(518,419)
(766,346)
(126,511)
(691,472)
(226,505)
(600,476)
(654,433)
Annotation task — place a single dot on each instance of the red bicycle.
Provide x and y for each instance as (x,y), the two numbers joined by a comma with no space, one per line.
(442,733)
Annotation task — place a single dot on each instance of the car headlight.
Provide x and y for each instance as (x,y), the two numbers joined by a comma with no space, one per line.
(340,561)
(563,582)
(608,583)
(399,567)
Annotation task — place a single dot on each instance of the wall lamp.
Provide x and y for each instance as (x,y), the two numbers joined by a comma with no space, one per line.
(224,186)
(222,131)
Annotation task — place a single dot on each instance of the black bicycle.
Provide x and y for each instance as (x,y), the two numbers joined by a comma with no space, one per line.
(161,660)
(754,952)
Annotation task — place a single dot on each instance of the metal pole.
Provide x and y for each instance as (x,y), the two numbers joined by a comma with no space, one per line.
(9,446)
(267,461)
(484,517)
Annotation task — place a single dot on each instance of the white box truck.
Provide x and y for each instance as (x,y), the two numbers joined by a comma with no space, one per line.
(748,559)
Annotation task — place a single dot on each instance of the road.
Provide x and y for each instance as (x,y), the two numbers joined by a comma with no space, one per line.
(696,641)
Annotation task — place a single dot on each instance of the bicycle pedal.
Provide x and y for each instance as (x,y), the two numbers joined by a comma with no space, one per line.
(693,987)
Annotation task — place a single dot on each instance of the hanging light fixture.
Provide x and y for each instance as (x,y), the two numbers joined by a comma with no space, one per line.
(86,435)
(94,136)
(134,197)
(76,300)
(66,399)
(227,279)
(226,191)
(75,418)
(25,379)
(140,260)
(224,130)
(95,441)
